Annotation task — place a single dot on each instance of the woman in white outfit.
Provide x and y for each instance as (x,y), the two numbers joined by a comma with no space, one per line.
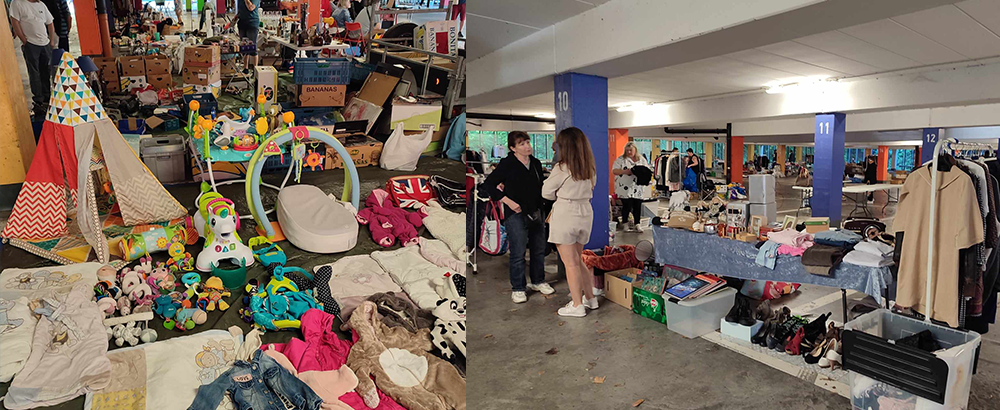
(627,188)
(571,185)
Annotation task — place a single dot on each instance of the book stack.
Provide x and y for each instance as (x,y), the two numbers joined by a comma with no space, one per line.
(695,287)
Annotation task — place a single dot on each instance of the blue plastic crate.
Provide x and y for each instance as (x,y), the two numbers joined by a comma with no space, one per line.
(310,71)
(360,71)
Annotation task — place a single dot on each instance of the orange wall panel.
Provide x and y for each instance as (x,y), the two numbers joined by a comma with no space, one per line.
(617,138)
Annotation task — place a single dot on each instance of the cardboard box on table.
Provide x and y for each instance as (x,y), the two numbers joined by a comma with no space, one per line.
(108,68)
(363,154)
(438,36)
(199,75)
(160,81)
(130,83)
(133,66)
(321,95)
(416,117)
(157,64)
(202,56)
(267,84)
(215,89)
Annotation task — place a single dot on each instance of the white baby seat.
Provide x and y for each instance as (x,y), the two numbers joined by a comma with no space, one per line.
(315,222)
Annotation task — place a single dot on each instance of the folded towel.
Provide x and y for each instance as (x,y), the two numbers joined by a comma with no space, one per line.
(857,257)
(840,237)
(823,255)
(790,237)
(874,248)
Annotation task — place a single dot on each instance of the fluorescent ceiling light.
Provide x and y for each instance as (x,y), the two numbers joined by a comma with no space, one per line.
(545,115)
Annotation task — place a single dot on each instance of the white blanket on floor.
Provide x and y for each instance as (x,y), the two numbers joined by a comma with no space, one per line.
(166,375)
(449,227)
(17,327)
(414,273)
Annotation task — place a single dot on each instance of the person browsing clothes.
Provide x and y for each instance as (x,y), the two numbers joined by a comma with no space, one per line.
(627,184)
(571,185)
(517,183)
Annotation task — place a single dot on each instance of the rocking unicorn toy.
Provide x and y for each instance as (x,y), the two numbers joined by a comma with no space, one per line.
(217,221)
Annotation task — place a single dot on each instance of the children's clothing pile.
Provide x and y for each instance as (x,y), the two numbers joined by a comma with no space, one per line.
(387,222)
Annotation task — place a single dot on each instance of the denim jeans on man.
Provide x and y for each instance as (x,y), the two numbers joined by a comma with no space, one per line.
(259,384)
(521,234)
(37,59)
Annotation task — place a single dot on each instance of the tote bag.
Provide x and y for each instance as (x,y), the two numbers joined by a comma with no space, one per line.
(401,152)
(493,236)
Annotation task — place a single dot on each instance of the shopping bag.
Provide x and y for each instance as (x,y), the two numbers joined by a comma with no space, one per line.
(493,236)
(401,151)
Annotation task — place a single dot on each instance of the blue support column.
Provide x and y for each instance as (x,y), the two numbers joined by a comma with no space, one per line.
(828,167)
(582,101)
(930,139)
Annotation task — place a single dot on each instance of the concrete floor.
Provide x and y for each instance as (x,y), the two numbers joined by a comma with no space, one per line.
(639,358)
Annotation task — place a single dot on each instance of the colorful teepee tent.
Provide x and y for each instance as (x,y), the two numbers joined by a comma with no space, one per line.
(79,141)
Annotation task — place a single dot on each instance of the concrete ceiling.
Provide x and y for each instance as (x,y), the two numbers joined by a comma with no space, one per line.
(494,24)
(964,31)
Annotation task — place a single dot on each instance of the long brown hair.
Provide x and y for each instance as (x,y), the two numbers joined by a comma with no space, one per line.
(575,154)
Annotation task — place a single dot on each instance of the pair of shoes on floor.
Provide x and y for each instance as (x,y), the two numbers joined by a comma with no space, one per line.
(772,320)
(571,310)
(520,296)
(827,352)
(741,312)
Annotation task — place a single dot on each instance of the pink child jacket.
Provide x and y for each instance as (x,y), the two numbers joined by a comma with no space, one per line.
(323,350)
(388,223)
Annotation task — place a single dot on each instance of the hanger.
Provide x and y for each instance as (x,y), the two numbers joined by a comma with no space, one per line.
(945,162)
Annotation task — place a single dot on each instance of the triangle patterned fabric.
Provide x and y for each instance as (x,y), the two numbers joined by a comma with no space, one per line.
(72,101)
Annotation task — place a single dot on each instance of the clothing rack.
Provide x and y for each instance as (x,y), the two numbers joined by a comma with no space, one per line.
(952,144)
(472,257)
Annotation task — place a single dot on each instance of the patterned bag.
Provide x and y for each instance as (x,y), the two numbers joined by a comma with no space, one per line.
(493,236)
(767,290)
(410,191)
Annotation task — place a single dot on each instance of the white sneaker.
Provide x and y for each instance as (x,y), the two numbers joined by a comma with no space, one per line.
(590,303)
(631,227)
(598,292)
(573,311)
(518,297)
(543,287)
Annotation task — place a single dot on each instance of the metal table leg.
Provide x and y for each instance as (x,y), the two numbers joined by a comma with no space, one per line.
(843,300)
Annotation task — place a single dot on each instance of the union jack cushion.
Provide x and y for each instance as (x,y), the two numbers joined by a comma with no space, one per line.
(410,191)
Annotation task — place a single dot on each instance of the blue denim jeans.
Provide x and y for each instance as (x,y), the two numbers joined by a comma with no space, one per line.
(260,385)
(522,235)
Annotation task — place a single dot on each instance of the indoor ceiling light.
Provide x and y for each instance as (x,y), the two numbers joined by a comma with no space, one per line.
(545,115)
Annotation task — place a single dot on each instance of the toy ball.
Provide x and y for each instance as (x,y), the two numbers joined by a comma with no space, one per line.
(199,317)
(194,105)
(288,117)
(148,336)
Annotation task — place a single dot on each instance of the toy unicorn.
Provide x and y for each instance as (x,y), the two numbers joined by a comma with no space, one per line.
(217,222)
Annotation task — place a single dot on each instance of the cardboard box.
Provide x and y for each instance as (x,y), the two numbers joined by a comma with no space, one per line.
(171,30)
(618,286)
(213,89)
(377,88)
(267,85)
(130,83)
(113,86)
(202,56)
(108,68)
(202,75)
(817,224)
(322,95)
(363,155)
(438,36)
(157,64)
(133,66)
(415,117)
(160,81)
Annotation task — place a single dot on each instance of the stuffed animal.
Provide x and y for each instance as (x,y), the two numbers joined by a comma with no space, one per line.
(166,307)
(679,201)
(127,333)
(214,292)
(450,285)
(449,328)
(161,280)
(186,319)
(135,286)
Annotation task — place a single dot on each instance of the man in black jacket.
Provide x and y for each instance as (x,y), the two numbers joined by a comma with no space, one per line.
(517,183)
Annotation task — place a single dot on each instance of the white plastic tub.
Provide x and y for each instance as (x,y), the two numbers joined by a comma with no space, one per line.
(701,316)
(958,352)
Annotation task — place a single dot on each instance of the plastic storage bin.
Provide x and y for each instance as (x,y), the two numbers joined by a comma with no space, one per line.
(322,71)
(360,71)
(694,318)
(164,156)
(909,377)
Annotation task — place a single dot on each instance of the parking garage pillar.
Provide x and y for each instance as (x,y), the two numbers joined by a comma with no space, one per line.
(828,167)
(582,101)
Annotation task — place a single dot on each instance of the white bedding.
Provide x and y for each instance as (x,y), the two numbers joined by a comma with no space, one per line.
(414,273)
(448,227)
